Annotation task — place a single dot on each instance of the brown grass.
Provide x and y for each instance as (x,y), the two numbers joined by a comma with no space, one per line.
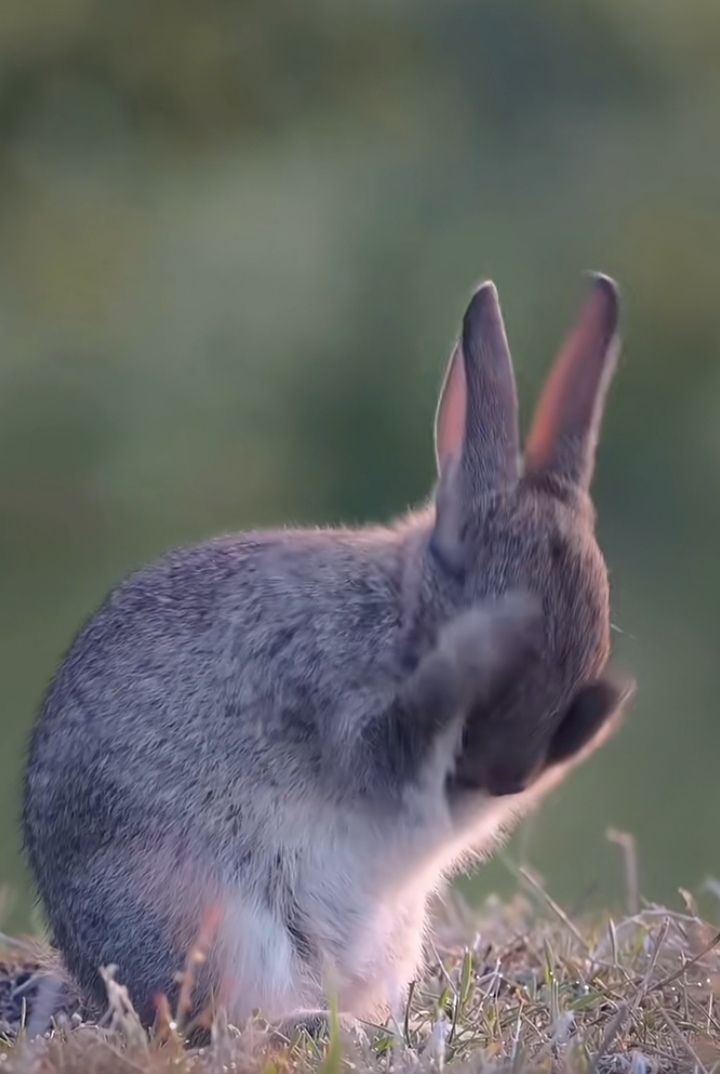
(520,987)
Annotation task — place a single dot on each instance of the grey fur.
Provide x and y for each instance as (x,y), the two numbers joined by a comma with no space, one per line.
(308,732)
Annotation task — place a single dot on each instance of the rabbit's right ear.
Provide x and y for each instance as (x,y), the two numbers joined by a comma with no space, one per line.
(477,441)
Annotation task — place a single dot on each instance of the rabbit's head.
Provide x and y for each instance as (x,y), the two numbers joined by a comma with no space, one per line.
(505,523)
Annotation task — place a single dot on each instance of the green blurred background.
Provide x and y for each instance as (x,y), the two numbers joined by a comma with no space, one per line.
(236,242)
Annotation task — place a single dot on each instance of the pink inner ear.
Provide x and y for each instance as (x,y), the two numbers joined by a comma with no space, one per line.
(450,421)
(564,430)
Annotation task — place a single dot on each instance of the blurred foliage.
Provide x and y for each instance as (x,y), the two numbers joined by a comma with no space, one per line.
(236,240)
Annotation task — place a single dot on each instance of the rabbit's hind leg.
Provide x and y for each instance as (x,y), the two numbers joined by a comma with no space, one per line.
(144,911)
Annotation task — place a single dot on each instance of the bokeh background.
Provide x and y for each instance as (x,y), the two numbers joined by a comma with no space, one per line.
(236,242)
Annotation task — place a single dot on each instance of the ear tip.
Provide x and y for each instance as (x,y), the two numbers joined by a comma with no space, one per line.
(605,298)
(607,289)
(606,284)
(484,305)
(485,289)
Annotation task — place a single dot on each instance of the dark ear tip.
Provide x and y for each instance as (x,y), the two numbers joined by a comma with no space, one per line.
(606,290)
(485,296)
(487,288)
(605,283)
(484,307)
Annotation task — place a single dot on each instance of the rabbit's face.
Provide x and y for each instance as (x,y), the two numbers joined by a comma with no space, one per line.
(501,526)
(542,543)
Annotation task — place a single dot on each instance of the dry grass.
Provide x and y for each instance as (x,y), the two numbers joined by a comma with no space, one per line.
(521,988)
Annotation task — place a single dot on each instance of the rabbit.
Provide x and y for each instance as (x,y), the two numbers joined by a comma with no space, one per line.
(304,735)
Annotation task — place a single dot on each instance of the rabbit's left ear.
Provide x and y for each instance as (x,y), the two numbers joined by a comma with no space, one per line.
(476,424)
(564,434)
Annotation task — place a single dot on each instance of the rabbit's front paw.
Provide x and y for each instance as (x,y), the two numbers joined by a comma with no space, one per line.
(489,644)
(477,654)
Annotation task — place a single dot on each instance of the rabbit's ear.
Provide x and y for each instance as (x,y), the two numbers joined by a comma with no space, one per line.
(590,710)
(450,414)
(476,425)
(564,433)
(491,445)
(476,417)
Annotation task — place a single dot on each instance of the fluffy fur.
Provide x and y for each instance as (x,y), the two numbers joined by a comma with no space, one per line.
(303,734)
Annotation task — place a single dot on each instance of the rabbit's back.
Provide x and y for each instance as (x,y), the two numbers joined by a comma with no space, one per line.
(185,752)
(207,675)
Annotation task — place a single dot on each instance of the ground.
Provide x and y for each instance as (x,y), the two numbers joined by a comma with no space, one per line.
(519,988)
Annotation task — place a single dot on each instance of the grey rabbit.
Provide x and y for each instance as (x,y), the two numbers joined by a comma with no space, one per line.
(302,735)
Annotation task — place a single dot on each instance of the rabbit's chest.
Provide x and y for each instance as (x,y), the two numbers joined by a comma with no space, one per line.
(369,928)
(374,947)
(380,962)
